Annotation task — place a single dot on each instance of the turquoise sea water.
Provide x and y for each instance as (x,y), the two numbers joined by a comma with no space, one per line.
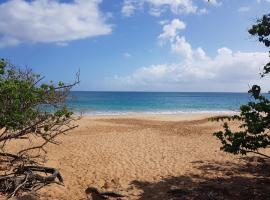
(117,103)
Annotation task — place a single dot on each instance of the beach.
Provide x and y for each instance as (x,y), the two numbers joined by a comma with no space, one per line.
(146,157)
(134,100)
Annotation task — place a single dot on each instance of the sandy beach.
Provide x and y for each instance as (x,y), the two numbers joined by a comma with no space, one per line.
(150,157)
(120,99)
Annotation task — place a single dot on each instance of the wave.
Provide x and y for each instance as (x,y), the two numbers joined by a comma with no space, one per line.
(158,112)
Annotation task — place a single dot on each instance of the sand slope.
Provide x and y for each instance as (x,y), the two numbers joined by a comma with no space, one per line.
(143,157)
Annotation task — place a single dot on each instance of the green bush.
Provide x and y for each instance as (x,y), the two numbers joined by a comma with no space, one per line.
(254,117)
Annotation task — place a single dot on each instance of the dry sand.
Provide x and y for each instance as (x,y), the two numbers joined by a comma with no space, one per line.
(150,157)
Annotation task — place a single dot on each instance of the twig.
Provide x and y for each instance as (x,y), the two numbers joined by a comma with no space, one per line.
(258,153)
(26,178)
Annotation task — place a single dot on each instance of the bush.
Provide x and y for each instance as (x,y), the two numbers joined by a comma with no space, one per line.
(35,113)
(254,116)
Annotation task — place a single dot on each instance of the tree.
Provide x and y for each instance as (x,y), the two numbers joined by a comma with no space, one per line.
(35,114)
(254,117)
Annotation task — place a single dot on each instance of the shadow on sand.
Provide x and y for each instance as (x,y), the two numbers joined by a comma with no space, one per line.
(247,181)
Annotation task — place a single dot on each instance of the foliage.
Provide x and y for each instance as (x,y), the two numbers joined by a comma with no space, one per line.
(35,113)
(253,132)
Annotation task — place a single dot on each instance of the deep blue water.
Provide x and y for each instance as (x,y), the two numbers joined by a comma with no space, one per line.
(102,103)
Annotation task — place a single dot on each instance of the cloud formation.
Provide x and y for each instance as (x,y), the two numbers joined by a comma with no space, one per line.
(157,7)
(226,71)
(128,8)
(50,21)
(170,30)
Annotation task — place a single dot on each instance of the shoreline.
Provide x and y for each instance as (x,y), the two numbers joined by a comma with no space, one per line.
(184,116)
(158,113)
(156,117)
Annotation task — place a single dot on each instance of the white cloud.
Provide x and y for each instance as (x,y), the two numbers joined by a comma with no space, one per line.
(170,30)
(244,9)
(128,8)
(181,46)
(213,2)
(163,22)
(157,7)
(175,6)
(156,12)
(50,21)
(226,71)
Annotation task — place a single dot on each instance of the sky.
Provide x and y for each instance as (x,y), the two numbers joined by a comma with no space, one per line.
(137,45)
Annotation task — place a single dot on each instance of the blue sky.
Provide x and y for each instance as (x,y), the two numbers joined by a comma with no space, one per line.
(137,45)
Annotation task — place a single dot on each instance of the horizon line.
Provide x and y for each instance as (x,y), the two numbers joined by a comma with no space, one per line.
(155,91)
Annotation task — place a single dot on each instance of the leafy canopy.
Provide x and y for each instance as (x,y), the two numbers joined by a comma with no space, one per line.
(253,132)
(35,112)
(21,97)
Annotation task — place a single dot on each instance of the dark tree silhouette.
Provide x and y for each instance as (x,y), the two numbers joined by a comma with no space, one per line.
(254,117)
(35,113)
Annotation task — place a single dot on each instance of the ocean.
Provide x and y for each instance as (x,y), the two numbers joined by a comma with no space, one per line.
(120,103)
